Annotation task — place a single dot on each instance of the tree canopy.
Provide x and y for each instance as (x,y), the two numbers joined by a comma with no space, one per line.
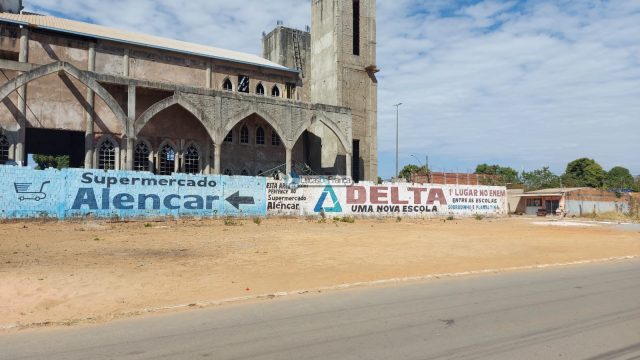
(620,178)
(50,161)
(507,175)
(411,169)
(540,179)
(584,172)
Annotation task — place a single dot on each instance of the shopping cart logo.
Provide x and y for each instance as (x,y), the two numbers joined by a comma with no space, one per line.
(25,193)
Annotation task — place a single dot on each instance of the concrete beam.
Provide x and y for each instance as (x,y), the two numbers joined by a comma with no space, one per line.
(16,65)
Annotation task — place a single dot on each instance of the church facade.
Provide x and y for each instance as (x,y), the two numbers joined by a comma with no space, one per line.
(111,99)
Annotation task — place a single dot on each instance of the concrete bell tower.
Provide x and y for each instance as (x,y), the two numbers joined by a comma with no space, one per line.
(343,67)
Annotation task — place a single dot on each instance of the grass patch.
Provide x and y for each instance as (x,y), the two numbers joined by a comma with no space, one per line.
(451,218)
(345,219)
(614,216)
(478,217)
(231,222)
(257,221)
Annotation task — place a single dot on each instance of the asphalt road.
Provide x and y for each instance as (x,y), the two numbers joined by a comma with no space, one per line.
(581,312)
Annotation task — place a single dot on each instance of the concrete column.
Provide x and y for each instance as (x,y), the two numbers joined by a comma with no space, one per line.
(12,151)
(23,57)
(130,138)
(130,144)
(125,63)
(208,81)
(289,160)
(349,158)
(206,156)
(89,115)
(216,161)
(179,159)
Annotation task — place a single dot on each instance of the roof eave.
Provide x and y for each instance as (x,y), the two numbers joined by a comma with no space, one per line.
(106,38)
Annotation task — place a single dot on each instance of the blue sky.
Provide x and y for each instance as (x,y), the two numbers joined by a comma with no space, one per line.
(520,83)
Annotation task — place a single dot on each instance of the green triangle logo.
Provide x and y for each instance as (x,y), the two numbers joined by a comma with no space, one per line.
(328,192)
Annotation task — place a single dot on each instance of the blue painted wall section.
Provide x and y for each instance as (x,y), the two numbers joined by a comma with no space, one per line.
(26,193)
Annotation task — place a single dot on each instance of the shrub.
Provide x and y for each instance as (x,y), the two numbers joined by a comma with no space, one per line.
(451,218)
(231,222)
(478,217)
(348,219)
(257,221)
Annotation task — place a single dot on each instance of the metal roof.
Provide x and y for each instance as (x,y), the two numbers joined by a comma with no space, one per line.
(105,33)
(549,192)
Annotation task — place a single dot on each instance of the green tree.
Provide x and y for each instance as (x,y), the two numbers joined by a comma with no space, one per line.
(620,178)
(409,170)
(540,179)
(504,175)
(584,172)
(50,161)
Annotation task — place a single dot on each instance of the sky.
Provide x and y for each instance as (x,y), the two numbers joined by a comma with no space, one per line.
(524,84)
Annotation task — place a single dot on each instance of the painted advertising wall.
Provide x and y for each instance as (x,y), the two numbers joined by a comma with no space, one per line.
(386,200)
(68,193)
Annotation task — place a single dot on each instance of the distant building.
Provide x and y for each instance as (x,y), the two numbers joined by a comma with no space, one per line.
(572,202)
(444,178)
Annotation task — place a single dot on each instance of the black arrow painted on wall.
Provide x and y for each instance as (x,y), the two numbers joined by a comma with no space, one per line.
(236,200)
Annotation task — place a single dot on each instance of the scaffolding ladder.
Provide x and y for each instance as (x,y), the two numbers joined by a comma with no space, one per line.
(297,53)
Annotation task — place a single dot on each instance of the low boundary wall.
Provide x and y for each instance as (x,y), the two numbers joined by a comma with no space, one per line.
(72,193)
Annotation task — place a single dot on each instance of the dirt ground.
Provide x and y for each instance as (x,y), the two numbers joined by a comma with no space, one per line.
(68,273)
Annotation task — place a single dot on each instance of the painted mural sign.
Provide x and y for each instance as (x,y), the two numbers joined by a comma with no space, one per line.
(26,193)
(75,193)
(386,200)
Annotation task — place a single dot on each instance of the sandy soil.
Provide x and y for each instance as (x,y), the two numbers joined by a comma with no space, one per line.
(65,273)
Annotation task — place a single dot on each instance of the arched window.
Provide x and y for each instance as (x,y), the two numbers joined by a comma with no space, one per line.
(192,160)
(260,90)
(227,172)
(227,85)
(166,160)
(229,137)
(275,139)
(275,91)
(245,172)
(260,136)
(141,157)
(244,135)
(4,149)
(107,155)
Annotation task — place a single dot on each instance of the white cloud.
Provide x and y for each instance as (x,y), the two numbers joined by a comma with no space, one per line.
(523,83)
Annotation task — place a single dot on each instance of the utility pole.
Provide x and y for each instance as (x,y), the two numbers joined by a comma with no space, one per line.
(397,137)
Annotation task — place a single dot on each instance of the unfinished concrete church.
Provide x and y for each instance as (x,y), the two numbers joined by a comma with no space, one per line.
(115,100)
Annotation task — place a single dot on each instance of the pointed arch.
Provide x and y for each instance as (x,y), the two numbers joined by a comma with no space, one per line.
(73,71)
(345,140)
(168,157)
(227,84)
(107,153)
(260,89)
(242,115)
(143,155)
(193,161)
(160,106)
(275,91)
